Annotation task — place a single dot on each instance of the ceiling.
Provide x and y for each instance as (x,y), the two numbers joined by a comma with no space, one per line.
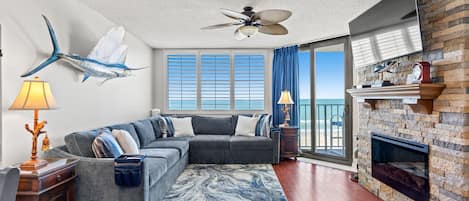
(176,23)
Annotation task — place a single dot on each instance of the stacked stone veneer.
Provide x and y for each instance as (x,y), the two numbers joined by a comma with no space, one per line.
(445,30)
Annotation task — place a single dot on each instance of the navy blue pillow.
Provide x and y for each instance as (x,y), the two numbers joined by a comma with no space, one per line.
(106,146)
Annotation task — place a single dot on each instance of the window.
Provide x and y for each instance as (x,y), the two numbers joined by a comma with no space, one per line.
(182,82)
(249,82)
(215,81)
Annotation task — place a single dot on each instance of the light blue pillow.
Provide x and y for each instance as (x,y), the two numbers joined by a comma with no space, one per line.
(106,146)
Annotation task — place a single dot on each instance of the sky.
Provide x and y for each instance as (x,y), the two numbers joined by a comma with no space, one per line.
(329,75)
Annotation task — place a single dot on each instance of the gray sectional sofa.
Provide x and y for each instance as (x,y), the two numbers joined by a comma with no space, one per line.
(214,142)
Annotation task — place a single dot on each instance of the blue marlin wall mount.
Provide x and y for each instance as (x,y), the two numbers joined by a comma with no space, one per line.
(106,60)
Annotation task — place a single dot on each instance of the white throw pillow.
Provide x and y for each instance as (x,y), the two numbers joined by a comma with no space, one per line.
(125,140)
(246,126)
(182,127)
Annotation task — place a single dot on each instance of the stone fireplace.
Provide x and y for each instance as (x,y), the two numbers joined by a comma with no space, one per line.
(446,130)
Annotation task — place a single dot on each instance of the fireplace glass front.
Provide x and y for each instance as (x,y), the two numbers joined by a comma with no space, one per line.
(401,164)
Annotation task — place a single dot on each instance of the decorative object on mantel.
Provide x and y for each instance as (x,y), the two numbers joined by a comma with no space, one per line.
(385,67)
(286,100)
(420,73)
(35,95)
(418,96)
(106,60)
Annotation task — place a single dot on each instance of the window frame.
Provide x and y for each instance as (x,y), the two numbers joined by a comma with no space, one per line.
(267,53)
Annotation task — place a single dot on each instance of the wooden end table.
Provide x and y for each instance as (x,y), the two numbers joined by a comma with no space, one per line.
(54,182)
(289,142)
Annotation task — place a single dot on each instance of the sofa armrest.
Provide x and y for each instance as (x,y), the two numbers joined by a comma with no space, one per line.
(96,179)
(275,135)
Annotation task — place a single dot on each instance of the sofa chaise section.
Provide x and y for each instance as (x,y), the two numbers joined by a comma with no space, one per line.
(163,164)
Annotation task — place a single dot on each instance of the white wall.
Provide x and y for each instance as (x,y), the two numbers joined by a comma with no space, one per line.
(25,43)
(159,75)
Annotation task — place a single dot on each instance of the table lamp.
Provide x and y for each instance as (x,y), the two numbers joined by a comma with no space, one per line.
(35,95)
(286,100)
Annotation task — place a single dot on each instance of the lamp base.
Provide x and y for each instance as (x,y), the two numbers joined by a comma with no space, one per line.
(32,165)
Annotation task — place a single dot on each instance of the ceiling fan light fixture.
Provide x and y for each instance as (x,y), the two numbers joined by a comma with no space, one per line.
(249,30)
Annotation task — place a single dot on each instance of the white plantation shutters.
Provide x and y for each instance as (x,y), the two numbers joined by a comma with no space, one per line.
(248,82)
(215,81)
(182,82)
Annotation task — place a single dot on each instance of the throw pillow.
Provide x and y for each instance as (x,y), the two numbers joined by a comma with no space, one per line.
(166,127)
(182,127)
(246,126)
(106,146)
(125,140)
(264,125)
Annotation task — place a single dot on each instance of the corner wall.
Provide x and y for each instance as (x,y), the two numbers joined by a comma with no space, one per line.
(81,106)
(446,45)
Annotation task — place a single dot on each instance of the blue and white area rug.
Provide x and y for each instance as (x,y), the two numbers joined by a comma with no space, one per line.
(227,183)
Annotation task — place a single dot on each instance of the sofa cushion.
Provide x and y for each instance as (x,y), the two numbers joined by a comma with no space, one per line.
(156,125)
(129,128)
(144,131)
(155,168)
(170,154)
(181,145)
(210,142)
(79,143)
(250,143)
(213,125)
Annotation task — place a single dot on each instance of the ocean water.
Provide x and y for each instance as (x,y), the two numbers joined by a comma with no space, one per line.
(328,111)
(216,105)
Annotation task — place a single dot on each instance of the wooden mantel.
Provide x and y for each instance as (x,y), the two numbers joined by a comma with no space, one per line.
(418,96)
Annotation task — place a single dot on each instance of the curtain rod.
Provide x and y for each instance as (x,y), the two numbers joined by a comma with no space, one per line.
(307,43)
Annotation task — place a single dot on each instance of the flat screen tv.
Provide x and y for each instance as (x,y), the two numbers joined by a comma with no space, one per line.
(388,30)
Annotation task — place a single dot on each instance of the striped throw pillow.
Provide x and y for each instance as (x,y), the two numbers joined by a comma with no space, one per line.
(106,146)
(263,125)
(166,127)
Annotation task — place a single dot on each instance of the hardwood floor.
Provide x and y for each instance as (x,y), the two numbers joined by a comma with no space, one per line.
(309,182)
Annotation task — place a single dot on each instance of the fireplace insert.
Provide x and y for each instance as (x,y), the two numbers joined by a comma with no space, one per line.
(401,164)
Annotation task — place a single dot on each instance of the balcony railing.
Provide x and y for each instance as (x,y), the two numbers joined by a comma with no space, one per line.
(329,128)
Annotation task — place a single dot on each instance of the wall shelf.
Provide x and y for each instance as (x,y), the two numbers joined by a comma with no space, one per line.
(418,96)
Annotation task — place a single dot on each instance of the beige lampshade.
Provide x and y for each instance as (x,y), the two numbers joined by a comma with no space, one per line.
(34,94)
(285,98)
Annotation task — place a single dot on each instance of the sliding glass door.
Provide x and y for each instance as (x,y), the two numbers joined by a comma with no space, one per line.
(325,125)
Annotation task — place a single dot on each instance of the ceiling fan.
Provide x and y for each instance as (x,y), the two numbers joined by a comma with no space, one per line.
(251,22)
